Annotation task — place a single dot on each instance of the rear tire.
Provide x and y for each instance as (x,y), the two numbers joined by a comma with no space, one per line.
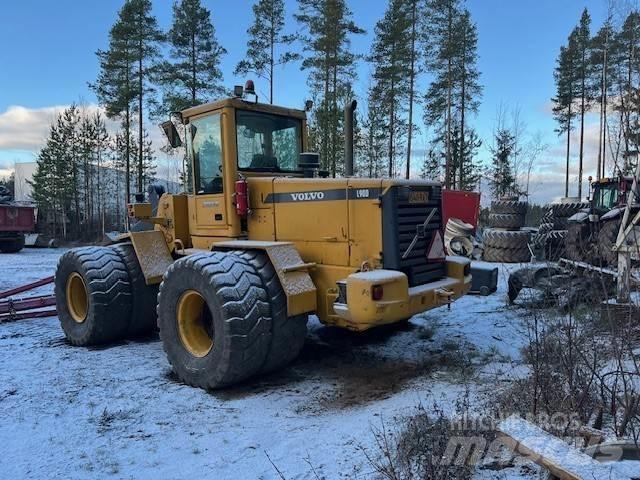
(607,237)
(143,318)
(578,242)
(287,333)
(93,296)
(233,313)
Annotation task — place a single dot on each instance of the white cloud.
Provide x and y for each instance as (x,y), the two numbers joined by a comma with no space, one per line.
(24,128)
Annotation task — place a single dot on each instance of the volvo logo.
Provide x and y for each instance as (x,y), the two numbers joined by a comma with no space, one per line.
(306,196)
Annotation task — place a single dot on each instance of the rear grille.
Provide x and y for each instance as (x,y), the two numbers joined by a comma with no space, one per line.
(405,209)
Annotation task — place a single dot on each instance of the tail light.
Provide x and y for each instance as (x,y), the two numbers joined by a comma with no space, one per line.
(242,198)
(377,292)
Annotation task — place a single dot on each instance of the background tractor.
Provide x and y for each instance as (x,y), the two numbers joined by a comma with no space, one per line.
(592,232)
(234,266)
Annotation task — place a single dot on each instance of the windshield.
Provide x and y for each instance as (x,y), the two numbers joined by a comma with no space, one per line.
(268,142)
(606,197)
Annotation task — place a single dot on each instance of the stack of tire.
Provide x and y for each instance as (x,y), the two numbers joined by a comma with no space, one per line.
(552,232)
(505,241)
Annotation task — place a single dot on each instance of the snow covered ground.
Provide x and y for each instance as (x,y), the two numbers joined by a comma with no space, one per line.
(118,412)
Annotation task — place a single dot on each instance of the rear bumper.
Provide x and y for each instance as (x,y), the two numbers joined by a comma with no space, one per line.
(399,301)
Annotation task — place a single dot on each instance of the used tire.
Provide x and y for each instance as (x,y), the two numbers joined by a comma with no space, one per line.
(607,237)
(505,238)
(555,244)
(578,242)
(509,206)
(213,316)
(13,245)
(143,317)
(287,333)
(93,295)
(506,255)
(567,209)
(506,220)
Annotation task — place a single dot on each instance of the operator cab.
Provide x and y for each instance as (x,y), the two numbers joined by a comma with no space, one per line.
(234,137)
(609,193)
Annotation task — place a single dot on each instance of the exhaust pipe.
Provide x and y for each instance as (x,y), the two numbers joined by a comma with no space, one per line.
(349,110)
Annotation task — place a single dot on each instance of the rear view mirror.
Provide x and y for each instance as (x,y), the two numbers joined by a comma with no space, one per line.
(171,132)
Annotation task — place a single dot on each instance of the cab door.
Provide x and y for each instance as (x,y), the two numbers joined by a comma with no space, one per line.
(206,148)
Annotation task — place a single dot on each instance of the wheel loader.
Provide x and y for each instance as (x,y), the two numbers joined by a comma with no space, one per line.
(592,232)
(260,240)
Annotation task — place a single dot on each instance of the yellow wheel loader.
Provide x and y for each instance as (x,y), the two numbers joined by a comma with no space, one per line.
(262,239)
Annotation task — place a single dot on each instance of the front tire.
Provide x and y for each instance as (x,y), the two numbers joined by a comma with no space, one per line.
(213,316)
(93,296)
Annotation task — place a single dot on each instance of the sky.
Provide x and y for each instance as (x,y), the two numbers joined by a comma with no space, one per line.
(48,58)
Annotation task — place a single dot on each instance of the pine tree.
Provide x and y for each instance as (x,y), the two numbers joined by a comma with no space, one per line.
(391,58)
(470,93)
(373,144)
(455,92)
(145,36)
(583,44)
(628,59)
(602,57)
(115,86)
(502,180)
(192,76)
(327,27)
(266,40)
(414,71)
(440,62)
(563,111)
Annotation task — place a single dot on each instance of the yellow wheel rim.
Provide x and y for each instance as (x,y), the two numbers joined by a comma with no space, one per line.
(195,326)
(77,298)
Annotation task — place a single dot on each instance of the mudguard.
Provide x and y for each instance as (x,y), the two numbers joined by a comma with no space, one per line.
(581,217)
(613,213)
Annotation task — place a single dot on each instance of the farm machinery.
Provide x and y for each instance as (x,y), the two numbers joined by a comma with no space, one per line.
(15,221)
(261,239)
(593,231)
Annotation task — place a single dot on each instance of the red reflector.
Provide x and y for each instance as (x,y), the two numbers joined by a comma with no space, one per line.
(377,292)
(435,252)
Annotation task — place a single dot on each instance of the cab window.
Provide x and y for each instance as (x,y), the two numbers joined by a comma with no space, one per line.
(205,148)
(268,143)
(607,196)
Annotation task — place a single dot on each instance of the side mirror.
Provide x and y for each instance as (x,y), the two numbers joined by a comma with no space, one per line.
(171,132)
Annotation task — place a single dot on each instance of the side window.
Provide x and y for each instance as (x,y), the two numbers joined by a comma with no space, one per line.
(206,148)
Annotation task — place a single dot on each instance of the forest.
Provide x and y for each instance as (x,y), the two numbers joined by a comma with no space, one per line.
(424,79)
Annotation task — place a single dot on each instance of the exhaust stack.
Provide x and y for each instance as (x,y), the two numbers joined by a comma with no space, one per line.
(349,110)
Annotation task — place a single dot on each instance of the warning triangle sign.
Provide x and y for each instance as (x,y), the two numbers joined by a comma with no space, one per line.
(435,253)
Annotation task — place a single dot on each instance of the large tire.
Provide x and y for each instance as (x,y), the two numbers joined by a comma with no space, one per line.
(506,239)
(13,245)
(93,295)
(213,315)
(506,220)
(506,255)
(578,243)
(555,245)
(509,206)
(143,317)
(287,333)
(607,236)
(567,209)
